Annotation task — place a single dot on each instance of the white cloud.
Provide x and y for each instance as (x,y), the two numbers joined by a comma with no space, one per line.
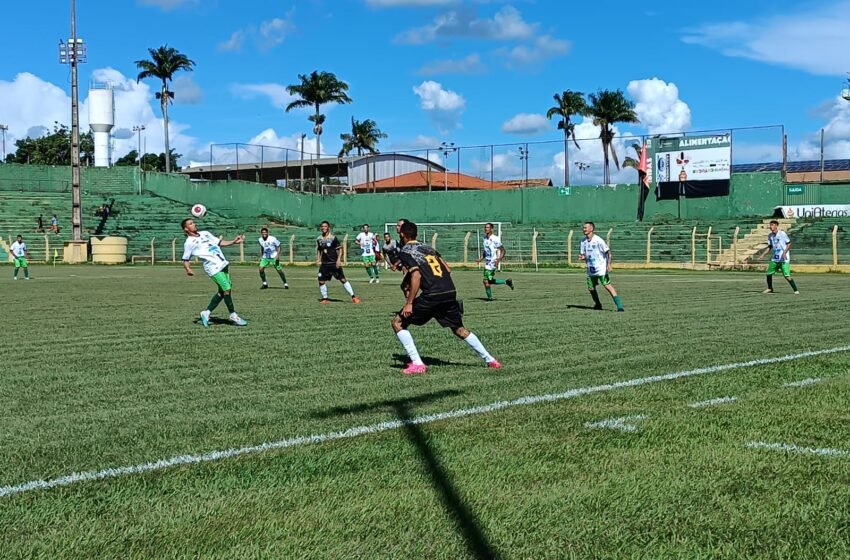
(275,93)
(442,105)
(186,91)
(268,35)
(266,146)
(435,98)
(32,103)
(543,47)
(836,135)
(658,106)
(167,5)
(396,3)
(507,24)
(526,123)
(234,44)
(468,65)
(273,32)
(587,135)
(811,39)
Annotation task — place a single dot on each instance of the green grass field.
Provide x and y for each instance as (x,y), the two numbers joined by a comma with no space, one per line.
(106,367)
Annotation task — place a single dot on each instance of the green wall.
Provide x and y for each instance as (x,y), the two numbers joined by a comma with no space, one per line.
(45,178)
(751,194)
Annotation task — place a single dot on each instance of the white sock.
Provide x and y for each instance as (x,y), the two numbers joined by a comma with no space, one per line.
(348,288)
(473,341)
(324,291)
(406,340)
(234,316)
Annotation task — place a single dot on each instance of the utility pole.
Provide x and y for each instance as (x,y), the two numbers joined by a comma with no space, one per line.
(74,53)
(301,184)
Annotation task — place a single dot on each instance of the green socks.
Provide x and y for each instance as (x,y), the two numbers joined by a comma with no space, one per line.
(377,274)
(769,281)
(369,271)
(498,282)
(27,275)
(228,301)
(618,303)
(281,274)
(489,292)
(216,299)
(16,273)
(790,281)
(263,276)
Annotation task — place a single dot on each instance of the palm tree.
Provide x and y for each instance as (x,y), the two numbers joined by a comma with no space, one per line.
(632,162)
(163,64)
(315,90)
(364,137)
(607,108)
(568,104)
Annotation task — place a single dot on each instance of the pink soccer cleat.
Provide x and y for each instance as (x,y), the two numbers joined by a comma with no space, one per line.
(415,369)
(495,364)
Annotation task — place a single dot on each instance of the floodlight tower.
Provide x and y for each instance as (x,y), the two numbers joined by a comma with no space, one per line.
(448,148)
(3,129)
(73,53)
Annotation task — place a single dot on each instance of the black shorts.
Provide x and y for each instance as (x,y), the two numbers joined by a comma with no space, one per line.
(329,271)
(448,313)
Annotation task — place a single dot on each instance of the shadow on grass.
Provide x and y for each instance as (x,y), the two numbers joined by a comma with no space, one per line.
(216,321)
(464,519)
(586,307)
(403,359)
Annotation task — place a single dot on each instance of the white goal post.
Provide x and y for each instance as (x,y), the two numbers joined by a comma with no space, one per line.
(432,237)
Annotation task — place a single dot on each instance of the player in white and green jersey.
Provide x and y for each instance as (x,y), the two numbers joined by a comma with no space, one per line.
(19,257)
(270,256)
(367,242)
(779,244)
(492,255)
(597,255)
(207,247)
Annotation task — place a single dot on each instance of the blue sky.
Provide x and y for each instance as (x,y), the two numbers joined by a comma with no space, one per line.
(467,71)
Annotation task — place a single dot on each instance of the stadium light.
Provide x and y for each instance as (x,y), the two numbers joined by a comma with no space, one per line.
(448,148)
(3,129)
(582,166)
(523,157)
(138,129)
(73,53)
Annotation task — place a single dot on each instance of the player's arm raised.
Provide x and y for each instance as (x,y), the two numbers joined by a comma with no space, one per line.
(238,239)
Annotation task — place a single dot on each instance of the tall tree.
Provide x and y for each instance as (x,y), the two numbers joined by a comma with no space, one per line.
(567,104)
(633,162)
(609,107)
(315,90)
(164,62)
(364,137)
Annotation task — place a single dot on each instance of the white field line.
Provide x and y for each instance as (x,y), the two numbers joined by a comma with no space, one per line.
(803,382)
(713,402)
(623,424)
(791,448)
(356,431)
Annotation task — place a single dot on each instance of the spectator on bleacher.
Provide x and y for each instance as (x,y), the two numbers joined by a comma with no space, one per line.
(40,224)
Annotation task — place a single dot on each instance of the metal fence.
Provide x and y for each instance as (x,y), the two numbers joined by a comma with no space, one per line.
(516,163)
(681,246)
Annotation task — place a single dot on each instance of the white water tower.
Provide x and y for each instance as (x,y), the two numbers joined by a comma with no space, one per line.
(102,121)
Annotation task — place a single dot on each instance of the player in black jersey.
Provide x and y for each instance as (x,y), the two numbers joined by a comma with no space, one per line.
(328,259)
(432,295)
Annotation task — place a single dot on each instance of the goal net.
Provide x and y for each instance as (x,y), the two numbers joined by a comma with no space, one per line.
(458,242)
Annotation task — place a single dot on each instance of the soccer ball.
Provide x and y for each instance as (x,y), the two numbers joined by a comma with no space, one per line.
(199,210)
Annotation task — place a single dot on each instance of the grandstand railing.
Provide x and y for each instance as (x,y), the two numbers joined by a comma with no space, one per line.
(683,246)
